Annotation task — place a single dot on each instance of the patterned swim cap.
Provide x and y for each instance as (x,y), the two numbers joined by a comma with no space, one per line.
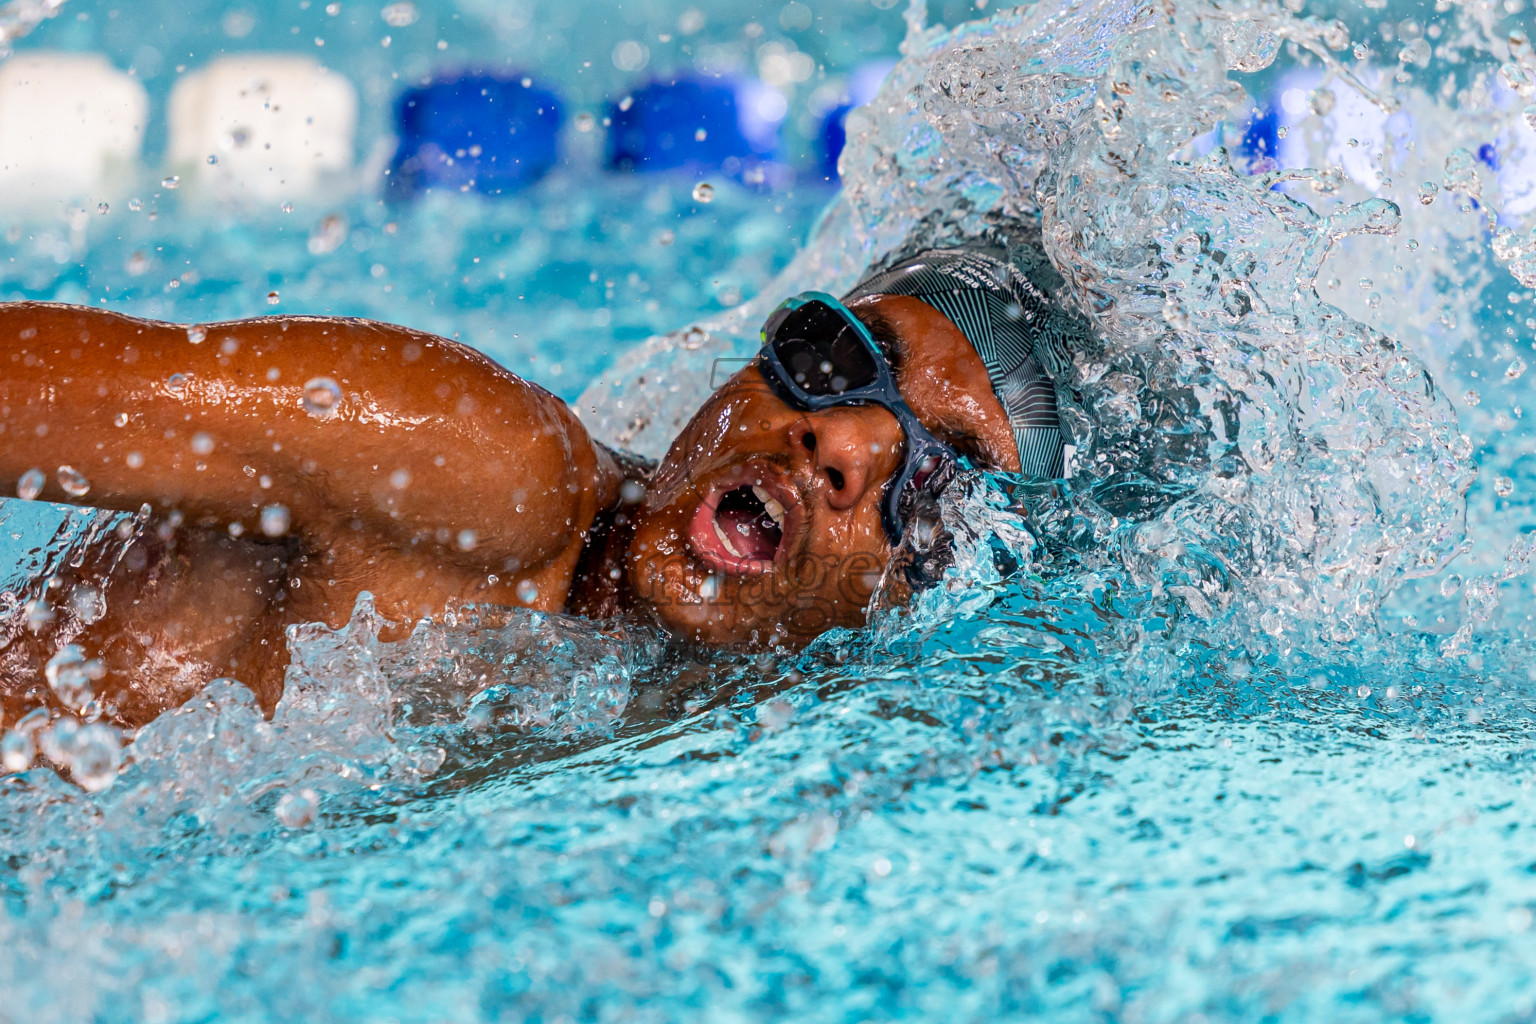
(1020,335)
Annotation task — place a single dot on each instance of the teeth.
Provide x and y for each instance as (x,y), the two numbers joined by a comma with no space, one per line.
(725,540)
(773,507)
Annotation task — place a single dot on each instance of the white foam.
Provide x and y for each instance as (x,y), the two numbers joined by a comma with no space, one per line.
(71,127)
(276,127)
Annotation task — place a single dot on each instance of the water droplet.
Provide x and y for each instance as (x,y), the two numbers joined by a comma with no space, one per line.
(39,615)
(17,751)
(709,590)
(1363,692)
(1321,101)
(584,122)
(527,591)
(297,809)
(1175,315)
(1416,52)
(1413,245)
(286,207)
(69,675)
(1361,51)
(333,9)
(322,397)
(1472,397)
(273,298)
(703,192)
(197,334)
(202,443)
(134,460)
(58,740)
(74,482)
(95,756)
(1461,173)
(1514,369)
(1503,486)
(467,539)
(135,204)
(666,237)
(171,182)
(399,14)
(212,159)
(400,479)
(88,603)
(1530,117)
(103,209)
(1450,585)
(136,264)
(274,520)
(328,235)
(1427,192)
(31,484)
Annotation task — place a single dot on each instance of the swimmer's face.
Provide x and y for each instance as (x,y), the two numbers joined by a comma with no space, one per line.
(763,522)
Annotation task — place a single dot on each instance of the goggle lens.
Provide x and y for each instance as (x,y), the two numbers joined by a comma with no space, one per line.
(821,352)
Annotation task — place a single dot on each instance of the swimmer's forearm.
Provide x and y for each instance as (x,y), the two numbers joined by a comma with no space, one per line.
(419,437)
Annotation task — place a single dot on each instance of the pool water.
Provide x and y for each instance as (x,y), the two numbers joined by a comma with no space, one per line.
(1236,724)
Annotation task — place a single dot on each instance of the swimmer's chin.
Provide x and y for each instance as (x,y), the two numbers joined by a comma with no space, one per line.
(692,600)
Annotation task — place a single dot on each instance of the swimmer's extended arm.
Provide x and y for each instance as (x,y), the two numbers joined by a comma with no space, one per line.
(433,455)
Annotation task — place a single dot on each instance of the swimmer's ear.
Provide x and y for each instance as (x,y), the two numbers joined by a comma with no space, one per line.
(927,548)
(917,564)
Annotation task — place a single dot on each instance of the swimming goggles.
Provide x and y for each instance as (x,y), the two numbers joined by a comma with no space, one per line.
(817,355)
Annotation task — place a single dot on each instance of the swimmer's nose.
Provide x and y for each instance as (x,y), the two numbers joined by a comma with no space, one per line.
(846,453)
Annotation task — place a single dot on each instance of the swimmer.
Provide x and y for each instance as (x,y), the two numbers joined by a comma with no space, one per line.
(289,463)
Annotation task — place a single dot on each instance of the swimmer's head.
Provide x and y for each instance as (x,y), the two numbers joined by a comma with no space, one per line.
(764,522)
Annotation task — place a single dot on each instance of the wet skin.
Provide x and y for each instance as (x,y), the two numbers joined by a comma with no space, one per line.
(439,479)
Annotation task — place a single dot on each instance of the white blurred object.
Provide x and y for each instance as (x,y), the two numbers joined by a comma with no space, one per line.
(1517,171)
(262,126)
(70,125)
(1353,118)
(1516,148)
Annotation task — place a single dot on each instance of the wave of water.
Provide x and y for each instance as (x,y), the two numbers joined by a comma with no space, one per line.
(1237,722)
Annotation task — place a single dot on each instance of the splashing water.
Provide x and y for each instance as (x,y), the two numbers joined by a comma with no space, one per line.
(19,17)
(1235,722)
(1303,462)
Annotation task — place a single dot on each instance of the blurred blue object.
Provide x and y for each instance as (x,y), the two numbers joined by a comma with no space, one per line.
(863,84)
(700,123)
(487,133)
(1261,139)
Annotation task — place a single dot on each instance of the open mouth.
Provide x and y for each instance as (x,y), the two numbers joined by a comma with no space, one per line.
(741,529)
